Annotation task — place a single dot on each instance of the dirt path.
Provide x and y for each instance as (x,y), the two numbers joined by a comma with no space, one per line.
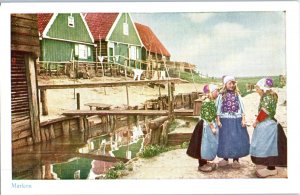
(176,164)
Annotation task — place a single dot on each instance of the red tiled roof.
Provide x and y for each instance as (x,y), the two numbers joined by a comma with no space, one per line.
(43,20)
(150,40)
(100,23)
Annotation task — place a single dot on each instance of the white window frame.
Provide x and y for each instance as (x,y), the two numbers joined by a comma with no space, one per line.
(137,53)
(89,52)
(71,22)
(125,28)
(133,52)
(82,51)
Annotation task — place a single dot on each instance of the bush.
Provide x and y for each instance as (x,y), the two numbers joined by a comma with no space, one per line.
(153,150)
(114,173)
(111,174)
(120,166)
(185,145)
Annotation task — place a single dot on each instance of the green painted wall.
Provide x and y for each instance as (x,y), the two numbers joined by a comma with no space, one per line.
(60,29)
(118,36)
(122,50)
(53,50)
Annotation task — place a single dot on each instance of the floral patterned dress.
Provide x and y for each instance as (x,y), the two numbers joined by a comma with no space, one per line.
(234,139)
(209,143)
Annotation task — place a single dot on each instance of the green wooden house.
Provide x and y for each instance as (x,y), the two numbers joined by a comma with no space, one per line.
(116,37)
(153,48)
(65,37)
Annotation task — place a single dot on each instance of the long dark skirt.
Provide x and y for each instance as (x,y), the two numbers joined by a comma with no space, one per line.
(234,139)
(194,150)
(281,159)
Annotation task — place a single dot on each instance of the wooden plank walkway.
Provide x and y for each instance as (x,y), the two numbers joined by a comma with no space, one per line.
(179,112)
(108,84)
(178,138)
(98,106)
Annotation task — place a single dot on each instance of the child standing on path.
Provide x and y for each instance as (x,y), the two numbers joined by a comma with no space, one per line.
(233,135)
(207,135)
(269,143)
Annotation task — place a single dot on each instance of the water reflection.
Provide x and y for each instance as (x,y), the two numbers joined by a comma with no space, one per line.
(73,158)
(117,144)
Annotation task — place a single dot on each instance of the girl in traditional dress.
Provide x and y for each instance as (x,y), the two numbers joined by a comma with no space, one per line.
(268,144)
(233,135)
(204,142)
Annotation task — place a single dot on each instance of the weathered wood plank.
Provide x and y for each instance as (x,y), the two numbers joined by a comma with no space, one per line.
(24,40)
(56,120)
(115,112)
(19,143)
(23,31)
(179,112)
(43,135)
(66,128)
(107,84)
(19,119)
(26,16)
(21,23)
(154,124)
(33,101)
(21,134)
(20,125)
(34,48)
(44,102)
(16,116)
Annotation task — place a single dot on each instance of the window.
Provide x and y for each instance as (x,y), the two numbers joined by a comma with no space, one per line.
(133,53)
(125,29)
(71,21)
(89,51)
(83,51)
(111,54)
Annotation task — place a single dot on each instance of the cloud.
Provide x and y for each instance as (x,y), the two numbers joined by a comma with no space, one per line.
(198,17)
(233,49)
(265,57)
(223,38)
(228,31)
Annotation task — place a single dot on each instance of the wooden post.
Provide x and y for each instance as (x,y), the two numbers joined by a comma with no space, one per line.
(44,102)
(47,133)
(33,98)
(81,124)
(51,131)
(169,96)
(43,135)
(172,95)
(86,128)
(66,128)
(127,95)
(78,101)
(159,91)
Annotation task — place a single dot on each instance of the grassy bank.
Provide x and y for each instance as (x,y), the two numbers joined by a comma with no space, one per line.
(241,81)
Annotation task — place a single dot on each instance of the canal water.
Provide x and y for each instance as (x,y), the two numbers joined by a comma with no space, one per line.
(76,158)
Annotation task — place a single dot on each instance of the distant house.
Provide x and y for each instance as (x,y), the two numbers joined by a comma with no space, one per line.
(153,48)
(64,37)
(153,52)
(116,37)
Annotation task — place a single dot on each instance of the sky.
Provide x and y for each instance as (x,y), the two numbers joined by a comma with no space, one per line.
(223,43)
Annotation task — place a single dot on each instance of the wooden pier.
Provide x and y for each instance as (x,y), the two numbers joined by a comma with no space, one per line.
(109,84)
(43,88)
(178,112)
